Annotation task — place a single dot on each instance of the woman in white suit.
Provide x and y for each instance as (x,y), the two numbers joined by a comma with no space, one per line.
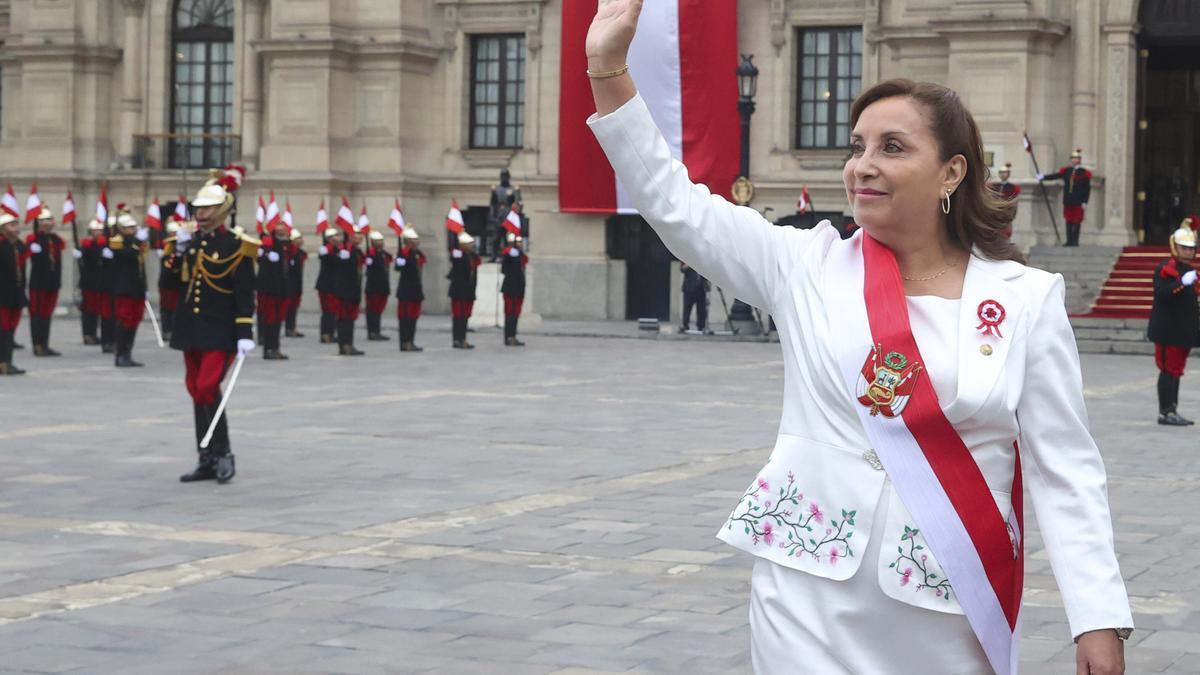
(924,365)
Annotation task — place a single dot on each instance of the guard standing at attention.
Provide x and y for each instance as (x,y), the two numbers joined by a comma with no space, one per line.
(1174,326)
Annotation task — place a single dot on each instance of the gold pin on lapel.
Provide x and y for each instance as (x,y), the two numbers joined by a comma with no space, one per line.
(986,350)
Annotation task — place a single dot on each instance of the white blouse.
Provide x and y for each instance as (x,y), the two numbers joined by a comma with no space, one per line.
(934,322)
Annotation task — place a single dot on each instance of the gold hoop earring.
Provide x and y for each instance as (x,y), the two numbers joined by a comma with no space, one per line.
(946,203)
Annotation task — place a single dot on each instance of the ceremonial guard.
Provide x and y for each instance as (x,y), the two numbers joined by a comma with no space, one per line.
(215,321)
(347,272)
(695,294)
(463,276)
(272,288)
(170,285)
(128,247)
(409,292)
(505,197)
(512,266)
(12,290)
(1077,189)
(297,256)
(89,256)
(1174,321)
(1009,191)
(108,302)
(326,262)
(44,249)
(379,285)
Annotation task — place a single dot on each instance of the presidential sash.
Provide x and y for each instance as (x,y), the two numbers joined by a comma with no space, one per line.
(932,470)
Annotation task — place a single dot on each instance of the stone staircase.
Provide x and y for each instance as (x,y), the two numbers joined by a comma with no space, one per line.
(1084,269)
(1111,336)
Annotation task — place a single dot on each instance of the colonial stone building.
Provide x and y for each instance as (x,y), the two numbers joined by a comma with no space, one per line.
(426,100)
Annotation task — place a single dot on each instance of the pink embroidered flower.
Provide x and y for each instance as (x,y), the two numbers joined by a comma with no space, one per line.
(905,576)
(815,510)
(763,484)
(767,504)
(768,534)
(833,557)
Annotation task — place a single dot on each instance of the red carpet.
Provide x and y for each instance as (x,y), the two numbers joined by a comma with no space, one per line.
(1129,290)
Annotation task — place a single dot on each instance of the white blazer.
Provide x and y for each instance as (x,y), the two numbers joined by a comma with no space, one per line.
(1029,389)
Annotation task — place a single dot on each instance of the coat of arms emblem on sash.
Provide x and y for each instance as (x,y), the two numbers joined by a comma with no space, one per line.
(886,382)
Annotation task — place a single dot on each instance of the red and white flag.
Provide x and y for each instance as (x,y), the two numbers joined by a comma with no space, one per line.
(154,216)
(512,222)
(260,215)
(68,215)
(396,220)
(287,217)
(684,61)
(454,219)
(1025,141)
(273,215)
(364,223)
(345,217)
(322,219)
(102,205)
(9,203)
(181,210)
(33,205)
(804,204)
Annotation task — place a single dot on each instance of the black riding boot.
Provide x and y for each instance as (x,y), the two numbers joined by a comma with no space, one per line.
(206,464)
(46,350)
(89,323)
(225,467)
(345,329)
(328,326)
(7,367)
(1168,398)
(291,322)
(1175,381)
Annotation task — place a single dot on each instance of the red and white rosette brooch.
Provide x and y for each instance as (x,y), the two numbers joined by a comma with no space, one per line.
(991,315)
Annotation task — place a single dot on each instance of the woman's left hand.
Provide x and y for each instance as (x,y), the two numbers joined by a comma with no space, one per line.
(1100,652)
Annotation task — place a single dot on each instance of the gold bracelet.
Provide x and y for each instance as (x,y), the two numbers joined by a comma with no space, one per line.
(609,74)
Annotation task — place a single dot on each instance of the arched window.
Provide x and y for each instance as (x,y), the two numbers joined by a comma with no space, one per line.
(202,84)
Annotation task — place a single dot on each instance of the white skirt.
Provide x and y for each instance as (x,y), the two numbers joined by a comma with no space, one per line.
(800,623)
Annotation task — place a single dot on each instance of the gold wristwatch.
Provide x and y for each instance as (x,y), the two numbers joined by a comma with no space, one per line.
(1123,633)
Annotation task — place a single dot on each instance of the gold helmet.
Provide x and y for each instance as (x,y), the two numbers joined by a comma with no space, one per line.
(45,214)
(1078,153)
(95,225)
(376,235)
(332,232)
(296,235)
(464,238)
(6,218)
(1185,236)
(172,226)
(411,233)
(219,191)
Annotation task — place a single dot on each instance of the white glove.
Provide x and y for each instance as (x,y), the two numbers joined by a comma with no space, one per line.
(344,254)
(370,261)
(401,262)
(147,295)
(77,253)
(456,253)
(1041,176)
(182,237)
(159,251)
(323,250)
(245,347)
(1189,277)
(273,256)
(107,254)
(35,247)
(514,253)
(143,234)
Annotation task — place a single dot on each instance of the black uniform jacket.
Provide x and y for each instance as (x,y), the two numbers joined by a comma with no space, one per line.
(217,307)
(169,276)
(1175,315)
(463,276)
(379,281)
(513,269)
(45,268)
(12,274)
(89,264)
(272,276)
(409,288)
(1077,184)
(295,273)
(348,275)
(693,282)
(325,263)
(128,266)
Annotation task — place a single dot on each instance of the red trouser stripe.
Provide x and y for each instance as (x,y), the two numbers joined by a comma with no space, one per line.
(204,372)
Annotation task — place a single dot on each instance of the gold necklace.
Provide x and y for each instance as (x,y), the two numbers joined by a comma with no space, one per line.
(929,278)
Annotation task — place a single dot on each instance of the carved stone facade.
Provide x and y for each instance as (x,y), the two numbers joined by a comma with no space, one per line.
(371,99)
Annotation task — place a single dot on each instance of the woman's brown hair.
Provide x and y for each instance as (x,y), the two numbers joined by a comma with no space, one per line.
(978,216)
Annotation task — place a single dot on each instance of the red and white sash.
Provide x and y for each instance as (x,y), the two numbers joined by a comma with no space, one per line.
(933,471)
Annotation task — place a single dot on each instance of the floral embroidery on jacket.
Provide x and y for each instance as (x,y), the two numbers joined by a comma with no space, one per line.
(768,518)
(913,566)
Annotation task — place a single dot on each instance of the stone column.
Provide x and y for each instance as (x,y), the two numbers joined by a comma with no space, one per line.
(1116,222)
(131,78)
(251,82)
(1084,33)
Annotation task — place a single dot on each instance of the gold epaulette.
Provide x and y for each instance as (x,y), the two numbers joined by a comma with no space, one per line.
(250,246)
(168,247)
(116,242)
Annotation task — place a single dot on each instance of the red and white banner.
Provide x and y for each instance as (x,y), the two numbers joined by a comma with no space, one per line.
(260,215)
(322,219)
(684,61)
(364,223)
(454,219)
(512,222)
(68,214)
(396,220)
(102,205)
(154,216)
(287,217)
(345,217)
(8,203)
(181,210)
(272,217)
(33,205)
(804,204)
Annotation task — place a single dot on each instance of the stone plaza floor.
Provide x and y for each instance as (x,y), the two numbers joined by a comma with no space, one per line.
(544,510)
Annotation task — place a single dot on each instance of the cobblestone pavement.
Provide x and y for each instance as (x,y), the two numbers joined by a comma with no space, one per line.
(546,510)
